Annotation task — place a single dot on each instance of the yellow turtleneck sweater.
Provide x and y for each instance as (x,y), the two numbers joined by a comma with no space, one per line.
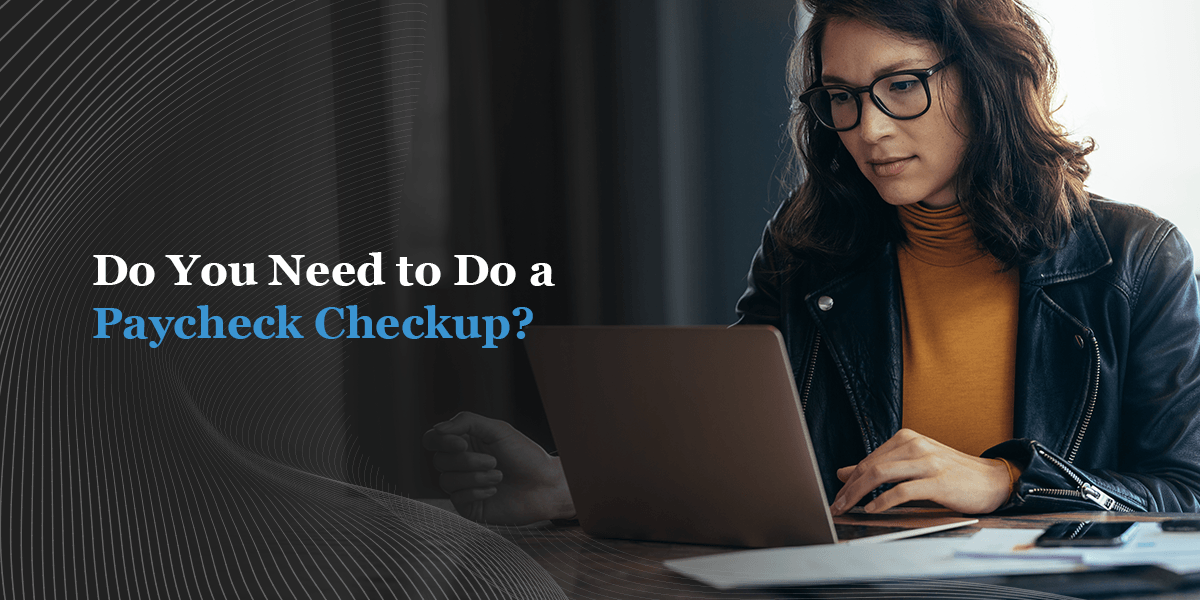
(960,332)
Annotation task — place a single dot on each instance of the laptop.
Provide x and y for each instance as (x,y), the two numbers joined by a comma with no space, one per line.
(685,434)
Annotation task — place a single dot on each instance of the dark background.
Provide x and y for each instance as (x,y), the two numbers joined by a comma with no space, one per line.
(635,146)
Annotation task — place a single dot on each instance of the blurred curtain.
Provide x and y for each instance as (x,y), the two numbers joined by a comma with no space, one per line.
(632,145)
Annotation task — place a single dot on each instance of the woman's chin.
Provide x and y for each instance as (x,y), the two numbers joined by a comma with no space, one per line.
(900,200)
(896,198)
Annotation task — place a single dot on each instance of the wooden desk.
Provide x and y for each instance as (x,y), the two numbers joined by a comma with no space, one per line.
(587,567)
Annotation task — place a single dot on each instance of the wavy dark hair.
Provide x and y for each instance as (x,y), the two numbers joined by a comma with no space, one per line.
(1021,179)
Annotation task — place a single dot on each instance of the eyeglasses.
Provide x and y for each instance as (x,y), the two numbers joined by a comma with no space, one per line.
(901,95)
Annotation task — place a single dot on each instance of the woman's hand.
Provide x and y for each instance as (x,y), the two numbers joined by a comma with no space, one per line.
(496,475)
(924,469)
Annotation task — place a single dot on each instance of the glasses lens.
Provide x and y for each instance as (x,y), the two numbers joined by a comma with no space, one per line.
(902,95)
(836,108)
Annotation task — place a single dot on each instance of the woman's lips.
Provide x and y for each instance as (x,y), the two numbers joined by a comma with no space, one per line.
(890,167)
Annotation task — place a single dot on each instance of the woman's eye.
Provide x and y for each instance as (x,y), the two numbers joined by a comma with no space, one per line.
(902,86)
(839,97)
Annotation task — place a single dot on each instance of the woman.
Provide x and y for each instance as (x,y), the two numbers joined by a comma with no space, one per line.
(966,324)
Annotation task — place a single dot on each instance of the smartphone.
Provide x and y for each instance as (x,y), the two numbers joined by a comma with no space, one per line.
(1087,533)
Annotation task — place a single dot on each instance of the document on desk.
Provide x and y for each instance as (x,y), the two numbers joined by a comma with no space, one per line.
(848,563)
(1176,551)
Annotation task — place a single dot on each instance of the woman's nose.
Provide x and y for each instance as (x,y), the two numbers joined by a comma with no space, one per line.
(874,125)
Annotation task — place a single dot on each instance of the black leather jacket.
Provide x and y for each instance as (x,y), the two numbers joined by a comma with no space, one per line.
(1107,407)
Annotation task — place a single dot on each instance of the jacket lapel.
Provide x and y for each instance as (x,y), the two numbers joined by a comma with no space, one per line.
(1055,354)
(862,332)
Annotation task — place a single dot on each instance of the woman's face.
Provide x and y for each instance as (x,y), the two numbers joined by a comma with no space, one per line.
(907,161)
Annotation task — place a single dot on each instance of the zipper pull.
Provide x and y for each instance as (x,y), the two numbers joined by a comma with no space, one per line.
(1097,496)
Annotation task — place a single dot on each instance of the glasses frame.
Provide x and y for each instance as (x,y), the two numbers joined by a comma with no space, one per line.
(856,92)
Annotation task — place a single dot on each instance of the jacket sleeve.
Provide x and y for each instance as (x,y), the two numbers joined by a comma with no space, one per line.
(760,303)
(1159,442)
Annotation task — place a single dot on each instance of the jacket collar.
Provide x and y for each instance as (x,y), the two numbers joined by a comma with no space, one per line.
(1082,253)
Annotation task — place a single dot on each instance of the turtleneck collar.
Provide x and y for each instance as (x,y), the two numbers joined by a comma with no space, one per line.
(939,236)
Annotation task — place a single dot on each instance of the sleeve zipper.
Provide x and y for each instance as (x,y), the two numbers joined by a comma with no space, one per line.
(1086,491)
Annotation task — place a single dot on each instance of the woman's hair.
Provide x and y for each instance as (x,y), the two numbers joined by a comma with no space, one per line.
(1021,179)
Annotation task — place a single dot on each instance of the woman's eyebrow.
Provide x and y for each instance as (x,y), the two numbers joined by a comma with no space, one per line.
(900,65)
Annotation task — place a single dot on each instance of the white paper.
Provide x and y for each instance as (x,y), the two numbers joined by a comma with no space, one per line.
(1174,550)
(1177,551)
(1185,564)
(1013,543)
(846,563)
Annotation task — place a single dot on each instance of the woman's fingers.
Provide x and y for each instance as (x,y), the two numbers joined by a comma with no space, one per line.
(463,461)
(866,477)
(844,473)
(924,469)
(917,489)
(452,482)
(904,445)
